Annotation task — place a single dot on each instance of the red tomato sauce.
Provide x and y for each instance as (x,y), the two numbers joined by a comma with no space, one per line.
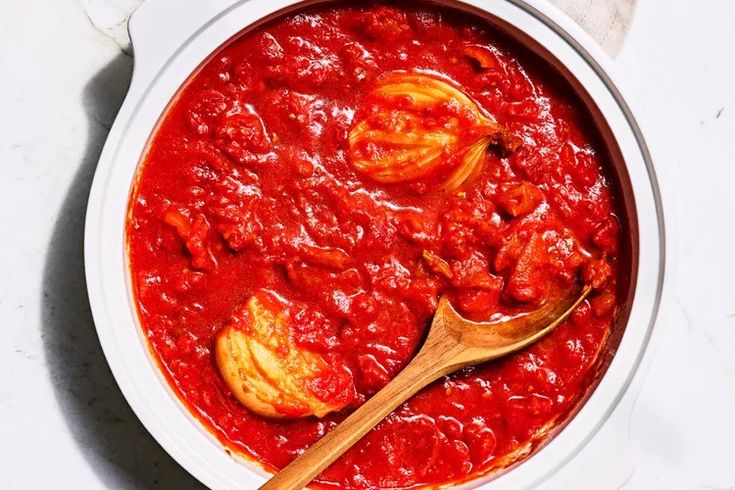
(248,186)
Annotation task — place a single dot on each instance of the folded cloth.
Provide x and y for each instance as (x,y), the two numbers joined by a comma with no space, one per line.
(606,20)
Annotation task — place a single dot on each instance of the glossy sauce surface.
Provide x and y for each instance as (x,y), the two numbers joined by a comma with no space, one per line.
(248,189)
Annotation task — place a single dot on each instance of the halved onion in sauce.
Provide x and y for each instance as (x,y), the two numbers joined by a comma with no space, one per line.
(269,373)
(416,126)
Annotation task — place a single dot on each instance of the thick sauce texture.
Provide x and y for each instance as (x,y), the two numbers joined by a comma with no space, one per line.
(248,189)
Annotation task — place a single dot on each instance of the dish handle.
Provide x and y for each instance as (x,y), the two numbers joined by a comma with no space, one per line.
(158,27)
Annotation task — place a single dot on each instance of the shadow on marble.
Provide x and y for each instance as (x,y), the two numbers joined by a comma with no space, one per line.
(115,443)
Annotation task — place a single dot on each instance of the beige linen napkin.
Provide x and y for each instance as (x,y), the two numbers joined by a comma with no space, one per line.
(606,20)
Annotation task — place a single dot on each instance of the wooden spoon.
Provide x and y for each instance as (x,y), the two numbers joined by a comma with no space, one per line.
(453,343)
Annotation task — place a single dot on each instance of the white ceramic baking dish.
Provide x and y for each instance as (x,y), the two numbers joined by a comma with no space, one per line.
(170,39)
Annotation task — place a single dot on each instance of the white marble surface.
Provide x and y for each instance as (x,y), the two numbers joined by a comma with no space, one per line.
(63,421)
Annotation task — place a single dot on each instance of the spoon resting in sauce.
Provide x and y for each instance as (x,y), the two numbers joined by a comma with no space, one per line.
(453,343)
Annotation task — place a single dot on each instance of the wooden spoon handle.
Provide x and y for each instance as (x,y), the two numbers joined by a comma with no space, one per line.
(417,374)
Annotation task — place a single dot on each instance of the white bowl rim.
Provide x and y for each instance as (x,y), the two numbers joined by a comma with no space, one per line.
(158,74)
